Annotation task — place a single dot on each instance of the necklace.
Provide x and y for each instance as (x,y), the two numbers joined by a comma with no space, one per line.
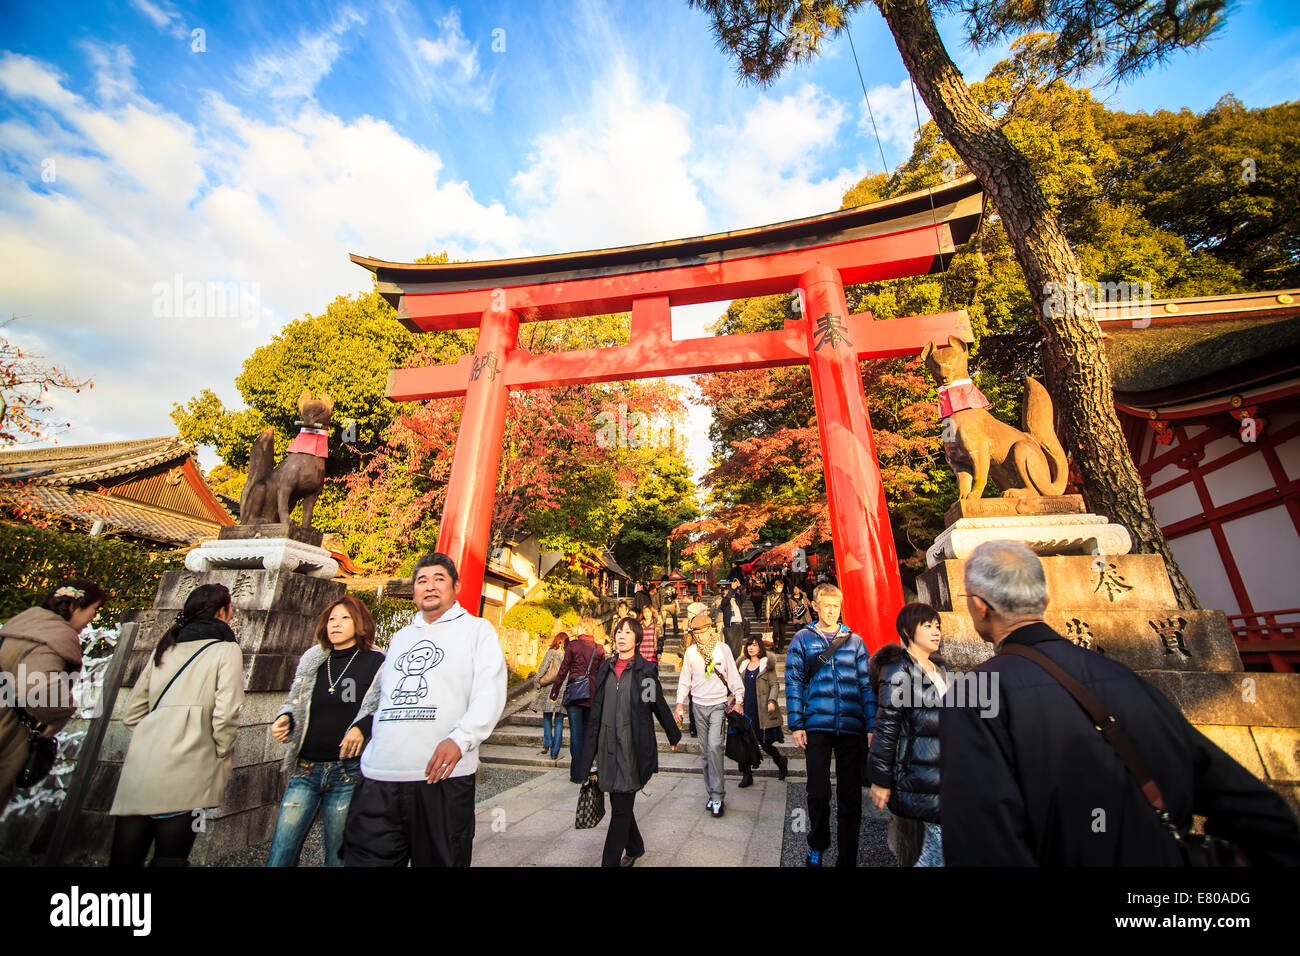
(329,676)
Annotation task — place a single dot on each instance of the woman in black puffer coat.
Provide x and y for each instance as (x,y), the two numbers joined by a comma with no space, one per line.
(903,767)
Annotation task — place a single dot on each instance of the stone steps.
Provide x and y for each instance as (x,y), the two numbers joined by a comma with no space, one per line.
(529,737)
(504,755)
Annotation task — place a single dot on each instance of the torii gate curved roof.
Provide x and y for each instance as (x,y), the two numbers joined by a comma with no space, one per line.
(764,260)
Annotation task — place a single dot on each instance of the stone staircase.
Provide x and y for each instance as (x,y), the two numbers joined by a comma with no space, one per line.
(517,740)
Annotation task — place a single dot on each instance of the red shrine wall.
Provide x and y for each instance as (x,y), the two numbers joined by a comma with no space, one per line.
(1230,510)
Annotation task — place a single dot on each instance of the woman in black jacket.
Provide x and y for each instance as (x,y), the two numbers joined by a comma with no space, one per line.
(904,764)
(620,738)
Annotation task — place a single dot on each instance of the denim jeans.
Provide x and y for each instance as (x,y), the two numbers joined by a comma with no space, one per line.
(577,721)
(553,732)
(314,786)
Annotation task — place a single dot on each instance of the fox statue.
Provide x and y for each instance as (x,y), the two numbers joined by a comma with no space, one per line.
(1024,463)
(272,492)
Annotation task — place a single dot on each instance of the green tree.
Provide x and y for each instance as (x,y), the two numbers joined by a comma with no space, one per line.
(765,36)
(1227,181)
(664,498)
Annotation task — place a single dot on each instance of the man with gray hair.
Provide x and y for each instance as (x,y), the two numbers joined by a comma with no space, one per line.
(1037,781)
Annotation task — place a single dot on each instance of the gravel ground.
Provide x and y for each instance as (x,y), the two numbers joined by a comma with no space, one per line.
(872,847)
(490,782)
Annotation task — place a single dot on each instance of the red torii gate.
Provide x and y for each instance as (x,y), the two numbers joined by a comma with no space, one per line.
(909,235)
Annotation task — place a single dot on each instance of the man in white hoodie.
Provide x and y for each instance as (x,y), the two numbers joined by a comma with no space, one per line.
(439,694)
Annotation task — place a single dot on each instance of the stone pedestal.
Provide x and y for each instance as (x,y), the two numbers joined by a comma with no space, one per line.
(274,618)
(268,547)
(1122,605)
(1042,534)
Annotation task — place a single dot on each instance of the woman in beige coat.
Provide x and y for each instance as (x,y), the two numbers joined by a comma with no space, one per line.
(40,656)
(184,712)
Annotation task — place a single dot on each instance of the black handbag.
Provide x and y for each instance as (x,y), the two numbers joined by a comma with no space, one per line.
(41,753)
(1196,849)
(742,743)
(591,807)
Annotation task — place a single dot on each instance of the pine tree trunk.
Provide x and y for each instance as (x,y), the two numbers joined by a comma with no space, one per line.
(1077,367)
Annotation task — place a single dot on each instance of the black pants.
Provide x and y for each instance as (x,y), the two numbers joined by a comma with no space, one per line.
(423,824)
(623,835)
(848,750)
(778,634)
(172,839)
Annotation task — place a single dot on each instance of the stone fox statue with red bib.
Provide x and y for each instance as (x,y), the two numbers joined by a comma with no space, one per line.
(1023,462)
(271,493)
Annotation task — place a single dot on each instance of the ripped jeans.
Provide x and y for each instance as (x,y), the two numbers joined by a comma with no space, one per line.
(323,786)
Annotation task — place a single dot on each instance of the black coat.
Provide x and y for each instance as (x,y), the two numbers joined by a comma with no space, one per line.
(1035,783)
(647,704)
(905,750)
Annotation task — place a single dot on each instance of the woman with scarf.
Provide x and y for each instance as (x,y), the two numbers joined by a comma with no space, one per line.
(801,610)
(620,738)
(762,706)
(184,714)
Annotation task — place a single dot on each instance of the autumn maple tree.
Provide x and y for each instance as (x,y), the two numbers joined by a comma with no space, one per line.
(25,386)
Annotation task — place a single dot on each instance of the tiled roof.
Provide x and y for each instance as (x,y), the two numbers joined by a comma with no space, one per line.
(120,515)
(77,464)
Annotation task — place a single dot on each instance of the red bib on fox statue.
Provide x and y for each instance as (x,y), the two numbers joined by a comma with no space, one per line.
(958,396)
(314,441)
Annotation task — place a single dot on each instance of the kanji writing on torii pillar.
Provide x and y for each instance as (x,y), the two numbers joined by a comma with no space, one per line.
(815,258)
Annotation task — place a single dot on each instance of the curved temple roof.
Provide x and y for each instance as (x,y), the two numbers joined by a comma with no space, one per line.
(955,208)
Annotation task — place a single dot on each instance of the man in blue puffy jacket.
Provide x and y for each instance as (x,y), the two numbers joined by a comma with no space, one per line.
(831,710)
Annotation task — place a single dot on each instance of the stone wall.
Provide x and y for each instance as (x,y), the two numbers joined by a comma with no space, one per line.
(274,618)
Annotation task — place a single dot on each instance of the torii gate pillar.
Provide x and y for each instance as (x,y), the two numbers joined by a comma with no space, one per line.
(471,489)
(865,558)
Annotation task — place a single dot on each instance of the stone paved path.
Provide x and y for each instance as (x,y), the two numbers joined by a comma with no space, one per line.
(532,825)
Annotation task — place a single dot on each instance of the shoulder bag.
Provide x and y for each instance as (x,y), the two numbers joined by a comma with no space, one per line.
(180,672)
(549,677)
(825,656)
(1196,849)
(580,687)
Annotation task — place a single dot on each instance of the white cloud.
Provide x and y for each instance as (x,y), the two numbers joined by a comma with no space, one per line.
(452,47)
(293,71)
(142,195)
(617,174)
(767,168)
(163,15)
(895,118)
(446,69)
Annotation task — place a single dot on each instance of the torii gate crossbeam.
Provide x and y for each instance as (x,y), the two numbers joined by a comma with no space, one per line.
(909,235)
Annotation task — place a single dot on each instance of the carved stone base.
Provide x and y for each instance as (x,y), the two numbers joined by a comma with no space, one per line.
(1009,507)
(1143,640)
(1109,582)
(269,554)
(1043,534)
(272,531)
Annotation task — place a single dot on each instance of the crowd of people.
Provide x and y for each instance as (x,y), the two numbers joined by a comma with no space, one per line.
(383,746)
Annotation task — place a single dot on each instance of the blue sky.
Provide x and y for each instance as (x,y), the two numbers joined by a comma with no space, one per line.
(302,132)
